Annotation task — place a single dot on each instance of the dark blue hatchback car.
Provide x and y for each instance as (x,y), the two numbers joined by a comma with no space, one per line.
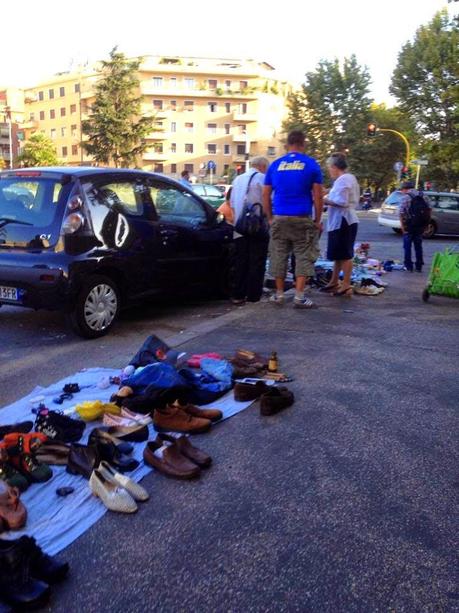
(90,240)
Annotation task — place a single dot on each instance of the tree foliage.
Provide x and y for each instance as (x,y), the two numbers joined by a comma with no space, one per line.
(426,84)
(39,150)
(116,130)
(332,106)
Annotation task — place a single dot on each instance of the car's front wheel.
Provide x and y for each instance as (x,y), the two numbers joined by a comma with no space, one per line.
(430,230)
(96,308)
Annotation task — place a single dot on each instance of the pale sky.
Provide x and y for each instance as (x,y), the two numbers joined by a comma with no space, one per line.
(42,37)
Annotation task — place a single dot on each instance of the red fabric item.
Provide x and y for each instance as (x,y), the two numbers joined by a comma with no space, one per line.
(195,360)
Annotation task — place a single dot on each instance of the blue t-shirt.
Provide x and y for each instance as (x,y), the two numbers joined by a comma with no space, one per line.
(291,178)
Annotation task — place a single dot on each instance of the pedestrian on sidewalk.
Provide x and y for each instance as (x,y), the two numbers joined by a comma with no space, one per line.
(296,180)
(414,216)
(185,178)
(342,223)
(250,252)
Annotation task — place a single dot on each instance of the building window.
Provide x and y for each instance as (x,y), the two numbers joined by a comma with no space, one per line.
(241,129)
(158,167)
(41,96)
(73,108)
(52,114)
(173,147)
(189,127)
(173,82)
(31,116)
(213,83)
(77,88)
(42,115)
(158,148)
(228,84)
(212,107)
(241,149)
(53,133)
(242,108)
(158,105)
(243,85)
(189,168)
(173,105)
(189,105)
(211,149)
(51,94)
(271,150)
(189,83)
(157,81)
(173,126)
(61,91)
(63,131)
(64,152)
(227,149)
(227,128)
(174,169)
(73,130)
(74,149)
(212,128)
(227,107)
(225,169)
(158,124)
(63,111)
(188,147)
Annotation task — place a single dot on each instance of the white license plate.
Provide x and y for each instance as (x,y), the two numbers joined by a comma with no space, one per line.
(8,293)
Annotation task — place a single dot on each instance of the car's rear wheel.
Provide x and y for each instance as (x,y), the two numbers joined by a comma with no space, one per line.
(96,308)
(430,230)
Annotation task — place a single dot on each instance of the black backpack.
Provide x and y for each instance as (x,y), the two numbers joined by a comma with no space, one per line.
(418,214)
(252,221)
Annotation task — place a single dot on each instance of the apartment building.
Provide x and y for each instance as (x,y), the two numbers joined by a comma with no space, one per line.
(11,118)
(205,109)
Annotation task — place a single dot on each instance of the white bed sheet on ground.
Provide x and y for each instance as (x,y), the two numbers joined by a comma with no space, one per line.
(54,521)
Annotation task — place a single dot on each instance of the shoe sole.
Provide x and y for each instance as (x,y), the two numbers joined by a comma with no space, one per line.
(305,307)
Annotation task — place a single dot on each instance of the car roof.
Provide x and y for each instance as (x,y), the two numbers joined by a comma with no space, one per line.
(74,170)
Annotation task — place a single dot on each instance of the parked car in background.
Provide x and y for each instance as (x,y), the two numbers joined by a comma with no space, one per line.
(210,193)
(223,187)
(92,240)
(445,213)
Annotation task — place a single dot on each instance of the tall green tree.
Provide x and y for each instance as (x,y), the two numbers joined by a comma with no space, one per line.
(332,106)
(116,129)
(426,85)
(39,150)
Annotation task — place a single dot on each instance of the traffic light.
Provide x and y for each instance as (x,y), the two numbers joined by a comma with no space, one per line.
(404,173)
(371,129)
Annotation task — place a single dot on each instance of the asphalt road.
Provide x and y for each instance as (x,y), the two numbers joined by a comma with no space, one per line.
(345,502)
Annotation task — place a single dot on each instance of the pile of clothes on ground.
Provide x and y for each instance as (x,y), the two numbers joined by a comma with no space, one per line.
(155,404)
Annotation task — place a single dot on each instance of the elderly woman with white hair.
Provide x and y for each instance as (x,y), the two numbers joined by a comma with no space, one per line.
(342,224)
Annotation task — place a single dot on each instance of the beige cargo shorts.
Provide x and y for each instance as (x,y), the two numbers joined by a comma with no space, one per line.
(293,234)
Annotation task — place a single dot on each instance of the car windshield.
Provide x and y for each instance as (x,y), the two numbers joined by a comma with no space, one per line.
(199,189)
(29,200)
(394,198)
(213,191)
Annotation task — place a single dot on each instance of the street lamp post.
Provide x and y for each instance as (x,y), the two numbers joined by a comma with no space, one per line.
(405,140)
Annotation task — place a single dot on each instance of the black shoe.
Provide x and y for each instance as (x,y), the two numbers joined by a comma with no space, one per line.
(108,452)
(24,427)
(58,426)
(42,566)
(18,588)
(82,460)
(276,399)
(102,434)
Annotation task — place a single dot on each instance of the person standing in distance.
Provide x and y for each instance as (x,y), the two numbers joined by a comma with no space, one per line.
(250,251)
(414,213)
(185,178)
(296,180)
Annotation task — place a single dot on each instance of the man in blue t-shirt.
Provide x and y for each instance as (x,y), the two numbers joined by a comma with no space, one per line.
(295,213)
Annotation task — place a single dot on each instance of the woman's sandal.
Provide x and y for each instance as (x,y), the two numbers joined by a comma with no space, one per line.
(328,288)
(344,292)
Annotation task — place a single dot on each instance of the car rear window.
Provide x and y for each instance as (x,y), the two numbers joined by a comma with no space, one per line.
(394,198)
(32,201)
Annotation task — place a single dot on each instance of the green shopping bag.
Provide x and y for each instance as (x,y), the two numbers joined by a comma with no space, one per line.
(444,274)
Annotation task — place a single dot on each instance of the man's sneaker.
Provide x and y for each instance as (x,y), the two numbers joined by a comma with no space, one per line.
(275,299)
(303,303)
(59,426)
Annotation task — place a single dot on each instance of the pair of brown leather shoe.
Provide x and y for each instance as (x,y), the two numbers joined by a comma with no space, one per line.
(244,392)
(179,459)
(184,418)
